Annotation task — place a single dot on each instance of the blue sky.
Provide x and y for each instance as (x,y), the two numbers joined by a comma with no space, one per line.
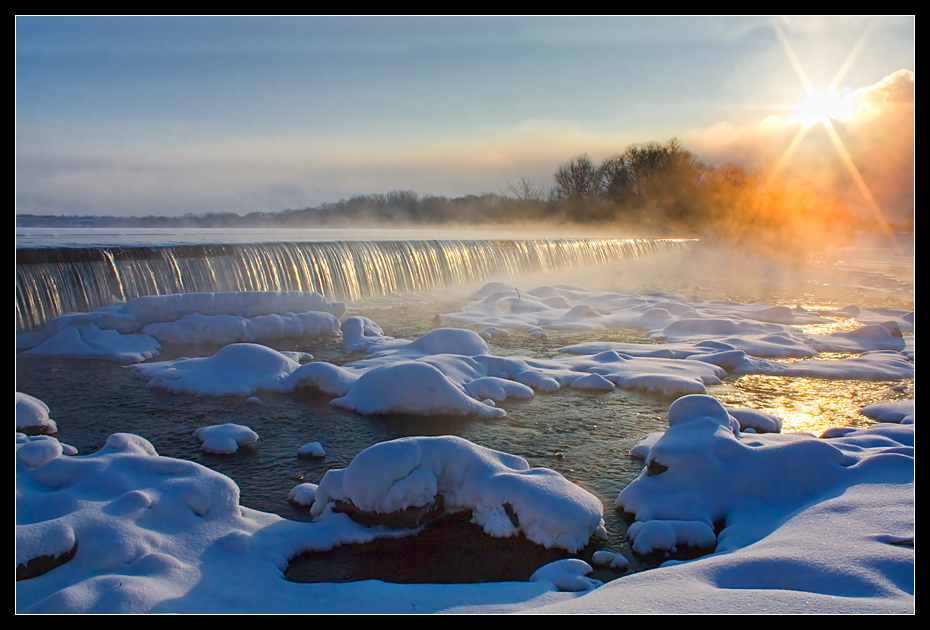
(161,115)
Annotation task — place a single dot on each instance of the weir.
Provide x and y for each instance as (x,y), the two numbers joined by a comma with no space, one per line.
(54,281)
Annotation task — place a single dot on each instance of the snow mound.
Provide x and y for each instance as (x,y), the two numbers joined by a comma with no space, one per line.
(610,559)
(361,333)
(303,494)
(311,449)
(32,415)
(90,341)
(411,387)
(224,438)
(758,421)
(569,574)
(504,494)
(901,411)
(240,368)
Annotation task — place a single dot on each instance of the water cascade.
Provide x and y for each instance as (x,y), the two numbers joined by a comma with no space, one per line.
(53,281)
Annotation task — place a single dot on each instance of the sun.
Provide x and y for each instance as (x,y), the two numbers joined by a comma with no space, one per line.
(820,106)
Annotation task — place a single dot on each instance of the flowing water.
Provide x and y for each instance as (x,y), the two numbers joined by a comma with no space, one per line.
(402,285)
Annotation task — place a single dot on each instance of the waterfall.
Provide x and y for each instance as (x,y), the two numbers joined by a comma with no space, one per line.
(53,281)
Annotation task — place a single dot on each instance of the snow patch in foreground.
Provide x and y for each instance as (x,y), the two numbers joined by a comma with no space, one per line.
(812,526)
(704,472)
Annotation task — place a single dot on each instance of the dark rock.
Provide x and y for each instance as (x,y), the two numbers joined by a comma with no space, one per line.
(409,518)
(42,564)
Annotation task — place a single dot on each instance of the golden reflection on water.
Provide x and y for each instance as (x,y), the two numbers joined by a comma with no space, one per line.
(813,405)
(838,325)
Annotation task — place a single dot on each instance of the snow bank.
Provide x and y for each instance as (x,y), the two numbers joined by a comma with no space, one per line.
(703,472)
(90,341)
(504,494)
(222,329)
(129,331)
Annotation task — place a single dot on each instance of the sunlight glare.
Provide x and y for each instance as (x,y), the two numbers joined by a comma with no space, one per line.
(821,106)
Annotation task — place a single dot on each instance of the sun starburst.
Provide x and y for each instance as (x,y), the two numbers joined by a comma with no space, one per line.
(824,106)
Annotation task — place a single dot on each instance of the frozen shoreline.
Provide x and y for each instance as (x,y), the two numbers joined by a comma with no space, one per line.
(157,534)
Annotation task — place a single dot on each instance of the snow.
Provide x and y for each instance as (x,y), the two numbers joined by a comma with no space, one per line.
(414,388)
(444,372)
(758,421)
(901,411)
(90,341)
(811,525)
(609,559)
(130,331)
(32,415)
(303,494)
(567,575)
(414,472)
(225,438)
(311,449)
(705,471)
(216,329)
(790,522)
(241,368)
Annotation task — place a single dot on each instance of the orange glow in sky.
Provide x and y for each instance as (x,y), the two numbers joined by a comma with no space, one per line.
(822,106)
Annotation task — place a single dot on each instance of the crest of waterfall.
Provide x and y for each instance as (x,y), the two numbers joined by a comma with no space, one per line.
(54,281)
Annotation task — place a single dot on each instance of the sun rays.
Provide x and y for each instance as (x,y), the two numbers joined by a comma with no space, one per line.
(823,107)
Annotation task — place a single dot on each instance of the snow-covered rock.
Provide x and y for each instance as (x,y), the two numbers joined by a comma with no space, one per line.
(32,415)
(225,438)
(503,493)
(311,449)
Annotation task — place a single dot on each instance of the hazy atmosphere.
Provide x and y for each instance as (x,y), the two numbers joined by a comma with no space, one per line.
(177,115)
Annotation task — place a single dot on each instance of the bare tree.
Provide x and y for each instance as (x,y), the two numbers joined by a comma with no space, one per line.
(576,180)
(524,190)
(615,179)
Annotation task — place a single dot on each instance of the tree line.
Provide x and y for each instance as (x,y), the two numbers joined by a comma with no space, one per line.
(649,189)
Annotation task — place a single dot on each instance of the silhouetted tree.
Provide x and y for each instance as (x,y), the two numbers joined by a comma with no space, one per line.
(525,190)
(576,180)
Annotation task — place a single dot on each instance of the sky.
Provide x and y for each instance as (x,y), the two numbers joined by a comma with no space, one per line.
(175,115)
